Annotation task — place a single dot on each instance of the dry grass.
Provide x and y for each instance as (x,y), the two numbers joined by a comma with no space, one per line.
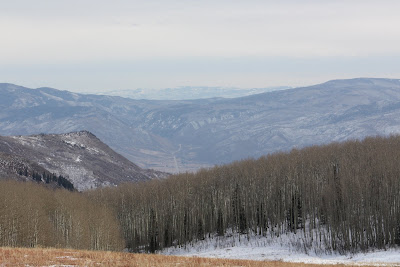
(65,257)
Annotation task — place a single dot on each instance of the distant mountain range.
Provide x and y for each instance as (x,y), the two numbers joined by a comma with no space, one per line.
(188,134)
(190,92)
(79,157)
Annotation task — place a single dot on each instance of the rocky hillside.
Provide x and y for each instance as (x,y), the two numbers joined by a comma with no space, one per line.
(185,135)
(21,169)
(79,156)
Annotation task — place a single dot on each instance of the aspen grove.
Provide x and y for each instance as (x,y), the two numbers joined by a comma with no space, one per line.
(343,197)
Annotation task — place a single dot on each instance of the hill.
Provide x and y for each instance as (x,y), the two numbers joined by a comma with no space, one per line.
(80,156)
(185,135)
(13,167)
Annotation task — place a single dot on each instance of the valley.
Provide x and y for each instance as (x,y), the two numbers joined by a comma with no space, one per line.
(294,189)
(199,133)
(185,135)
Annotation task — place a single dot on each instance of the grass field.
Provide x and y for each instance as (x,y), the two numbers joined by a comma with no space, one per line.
(65,257)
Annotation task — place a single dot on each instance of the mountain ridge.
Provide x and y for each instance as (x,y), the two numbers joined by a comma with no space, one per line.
(185,135)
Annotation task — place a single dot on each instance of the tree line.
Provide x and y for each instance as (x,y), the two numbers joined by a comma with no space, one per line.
(341,197)
(48,178)
(33,215)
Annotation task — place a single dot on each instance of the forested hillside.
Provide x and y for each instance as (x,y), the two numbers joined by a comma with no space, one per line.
(343,197)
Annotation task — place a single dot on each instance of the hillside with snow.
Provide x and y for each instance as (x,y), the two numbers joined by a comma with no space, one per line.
(185,135)
(80,156)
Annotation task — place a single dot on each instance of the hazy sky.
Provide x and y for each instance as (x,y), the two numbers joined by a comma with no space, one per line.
(105,45)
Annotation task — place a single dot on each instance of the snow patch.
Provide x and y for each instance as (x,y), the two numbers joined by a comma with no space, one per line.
(282,248)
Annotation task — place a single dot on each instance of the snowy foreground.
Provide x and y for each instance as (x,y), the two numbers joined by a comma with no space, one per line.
(278,248)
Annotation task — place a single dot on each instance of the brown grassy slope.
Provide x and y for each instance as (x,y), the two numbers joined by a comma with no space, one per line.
(47,257)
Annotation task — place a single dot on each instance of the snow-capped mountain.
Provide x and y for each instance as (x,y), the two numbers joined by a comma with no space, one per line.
(188,134)
(79,156)
(190,92)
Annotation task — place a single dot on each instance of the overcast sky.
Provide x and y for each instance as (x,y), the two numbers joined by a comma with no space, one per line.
(105,45)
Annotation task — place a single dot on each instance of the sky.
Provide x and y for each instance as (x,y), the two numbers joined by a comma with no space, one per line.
(103,45)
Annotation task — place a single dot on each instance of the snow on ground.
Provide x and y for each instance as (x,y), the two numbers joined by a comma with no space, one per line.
(278,248)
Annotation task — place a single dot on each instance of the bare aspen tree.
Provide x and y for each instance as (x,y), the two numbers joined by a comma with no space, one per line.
(347,193)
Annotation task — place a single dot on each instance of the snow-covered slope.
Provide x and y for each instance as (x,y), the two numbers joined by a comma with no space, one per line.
(282,248)
(80,156)
(14,167)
